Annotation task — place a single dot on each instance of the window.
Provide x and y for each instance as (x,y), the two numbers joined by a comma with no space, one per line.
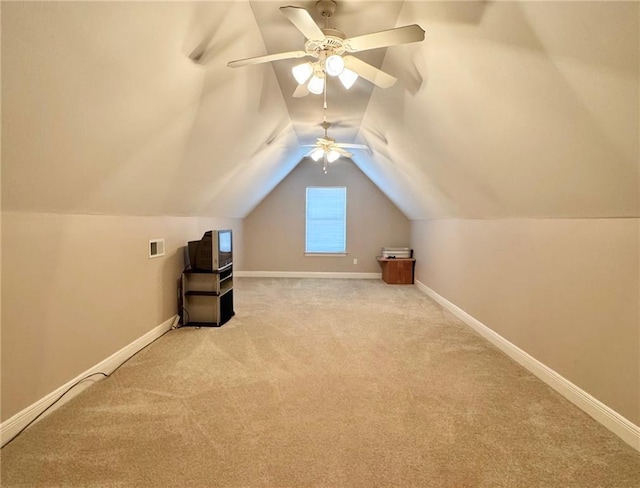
(326,227)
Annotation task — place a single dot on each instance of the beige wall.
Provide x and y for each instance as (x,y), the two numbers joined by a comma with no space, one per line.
(275,230)
(77,288)
(564,291)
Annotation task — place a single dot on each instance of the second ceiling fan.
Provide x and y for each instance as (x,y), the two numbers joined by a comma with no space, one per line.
(328,46)
(327,149)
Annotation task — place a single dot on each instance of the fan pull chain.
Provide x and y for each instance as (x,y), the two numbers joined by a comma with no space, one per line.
(324,125)
(324,94)
(324,111)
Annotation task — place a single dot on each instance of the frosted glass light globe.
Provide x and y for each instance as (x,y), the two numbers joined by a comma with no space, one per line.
(302,72)
(316,85)
(317,153)
(334,65)
(348,78)
(333,155)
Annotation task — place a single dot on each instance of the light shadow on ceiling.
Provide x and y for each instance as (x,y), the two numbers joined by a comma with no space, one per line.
(203,40)
(457,12)
(280,130)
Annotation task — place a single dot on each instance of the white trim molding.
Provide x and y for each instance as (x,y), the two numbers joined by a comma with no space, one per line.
(307,274)
(612,420)
(12,426)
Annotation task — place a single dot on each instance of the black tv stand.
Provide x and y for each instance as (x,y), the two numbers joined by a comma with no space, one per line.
(207,297)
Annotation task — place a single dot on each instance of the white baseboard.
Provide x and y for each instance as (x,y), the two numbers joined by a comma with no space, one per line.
(307,274)
(612,420)
(12,426)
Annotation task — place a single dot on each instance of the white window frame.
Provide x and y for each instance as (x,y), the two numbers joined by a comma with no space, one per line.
(308,252)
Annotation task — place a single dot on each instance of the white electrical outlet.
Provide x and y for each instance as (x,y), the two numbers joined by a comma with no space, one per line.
(355,260)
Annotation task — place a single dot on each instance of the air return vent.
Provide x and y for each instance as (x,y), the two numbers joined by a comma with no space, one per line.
(156,248)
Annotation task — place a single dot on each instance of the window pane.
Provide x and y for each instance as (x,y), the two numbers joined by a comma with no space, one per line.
(326,219)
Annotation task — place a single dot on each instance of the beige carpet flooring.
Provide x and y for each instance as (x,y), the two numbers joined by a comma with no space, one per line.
(321,383)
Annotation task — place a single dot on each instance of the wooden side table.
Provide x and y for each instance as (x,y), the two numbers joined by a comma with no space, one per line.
(397,271)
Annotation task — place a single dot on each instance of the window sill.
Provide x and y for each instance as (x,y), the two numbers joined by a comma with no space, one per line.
(326,254)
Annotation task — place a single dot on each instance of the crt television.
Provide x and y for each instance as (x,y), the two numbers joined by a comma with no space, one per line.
(214,251)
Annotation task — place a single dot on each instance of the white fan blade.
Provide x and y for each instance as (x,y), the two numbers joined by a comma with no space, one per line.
(325,140)
(301,91)
(391,37)
(370,73)
(303,21)
(266,58)
(342,152)
(352,146)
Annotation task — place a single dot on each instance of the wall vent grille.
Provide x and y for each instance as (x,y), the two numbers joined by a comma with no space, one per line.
(156,248)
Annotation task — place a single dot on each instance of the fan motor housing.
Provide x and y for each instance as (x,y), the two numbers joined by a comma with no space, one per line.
(333,43)
(326,8)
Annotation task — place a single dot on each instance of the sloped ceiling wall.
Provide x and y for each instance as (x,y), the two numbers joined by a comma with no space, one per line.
(523,109)
(507,109)
(105,112)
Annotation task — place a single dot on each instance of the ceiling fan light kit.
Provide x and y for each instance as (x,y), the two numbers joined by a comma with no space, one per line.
(302,73)
(327,149)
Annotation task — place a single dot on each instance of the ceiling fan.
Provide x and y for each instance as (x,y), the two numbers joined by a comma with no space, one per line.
(328,46)
(327,149)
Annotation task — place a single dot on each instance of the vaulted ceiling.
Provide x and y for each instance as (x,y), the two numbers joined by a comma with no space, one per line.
(505,110)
